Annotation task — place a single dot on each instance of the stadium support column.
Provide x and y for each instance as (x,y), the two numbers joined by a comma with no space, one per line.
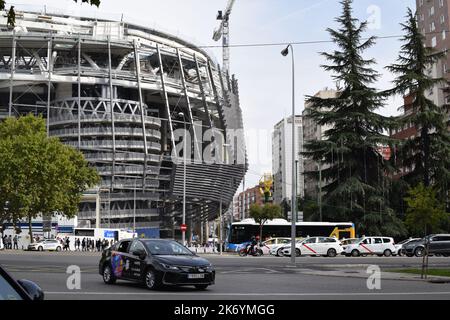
(13,70)
(188,103)
(166,99)
(49,70)
(79,93)
(202,90)
(111,102)
(141,104)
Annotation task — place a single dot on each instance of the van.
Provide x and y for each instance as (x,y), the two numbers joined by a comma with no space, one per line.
(370,246)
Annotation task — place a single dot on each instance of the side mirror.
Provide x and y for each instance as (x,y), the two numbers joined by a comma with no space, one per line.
(140,253)
(33,290)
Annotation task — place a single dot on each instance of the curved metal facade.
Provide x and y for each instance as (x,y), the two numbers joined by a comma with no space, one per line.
(115,91)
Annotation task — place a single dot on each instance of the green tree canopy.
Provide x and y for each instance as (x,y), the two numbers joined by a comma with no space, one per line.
(425,213)
(355,176)
(262,214)
(39,174)
(428,153)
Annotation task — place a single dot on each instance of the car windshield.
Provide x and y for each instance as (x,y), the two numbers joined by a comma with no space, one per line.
(172,248)
(7,292)
(350,241)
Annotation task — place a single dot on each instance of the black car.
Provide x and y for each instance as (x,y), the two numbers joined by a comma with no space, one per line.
(439,244)
(155,262)
(11,289)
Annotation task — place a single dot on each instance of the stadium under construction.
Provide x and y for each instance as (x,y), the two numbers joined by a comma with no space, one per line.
(123,94)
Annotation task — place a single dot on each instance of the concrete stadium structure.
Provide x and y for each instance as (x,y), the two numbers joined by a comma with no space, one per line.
(121,93)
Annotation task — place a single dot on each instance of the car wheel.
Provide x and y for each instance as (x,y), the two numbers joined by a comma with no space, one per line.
(331,253)
(400,253)
(355,253)
(58,248)
(40,249)
(151,280)
(280,253)
(201,286)
(445,254)
(419,252)
(108,275)
(297,253)
(387,253)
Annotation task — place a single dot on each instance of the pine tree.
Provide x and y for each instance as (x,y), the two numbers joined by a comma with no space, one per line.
(427,154)
(355,178)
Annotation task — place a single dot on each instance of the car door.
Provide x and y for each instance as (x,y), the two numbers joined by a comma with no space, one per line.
(377,245)
(309,246)
(136,265)
(322,245)
(365,246)
(120,260)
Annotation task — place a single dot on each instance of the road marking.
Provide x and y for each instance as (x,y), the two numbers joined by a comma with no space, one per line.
(251,294)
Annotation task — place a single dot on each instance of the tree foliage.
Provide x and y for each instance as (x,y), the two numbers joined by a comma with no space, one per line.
(39,174)
(12,14)
(428,153)
(264,213)
(355,174)
(425,213)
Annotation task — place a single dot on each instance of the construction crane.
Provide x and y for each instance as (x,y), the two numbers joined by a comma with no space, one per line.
(223,31)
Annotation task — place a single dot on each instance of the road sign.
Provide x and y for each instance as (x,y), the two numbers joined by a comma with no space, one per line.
(183,227)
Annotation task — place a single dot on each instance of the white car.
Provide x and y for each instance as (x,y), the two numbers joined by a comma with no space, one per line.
(270,246)
(370,246)
(1,244)
(315,246)
(49,244)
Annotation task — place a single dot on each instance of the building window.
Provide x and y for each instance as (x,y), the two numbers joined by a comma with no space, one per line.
(433,42)
(432,27)
(431,11)
(444,34)
(420,2)
(444,68)
(441,3)
(442,18)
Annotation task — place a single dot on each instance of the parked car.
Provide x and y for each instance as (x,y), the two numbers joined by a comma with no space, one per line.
(370,246)
(1,244)
(155,262)
(439,244)
(346,242)
(273,243)
(315,246)
(49,244)
(399,247)
(10,289)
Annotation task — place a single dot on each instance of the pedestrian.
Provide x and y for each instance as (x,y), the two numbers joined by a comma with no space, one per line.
(68,244)
(9,242)
(83,244)
(78,244)
(16,239)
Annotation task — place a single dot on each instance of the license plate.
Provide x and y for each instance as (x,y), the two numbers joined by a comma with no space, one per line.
(196,276)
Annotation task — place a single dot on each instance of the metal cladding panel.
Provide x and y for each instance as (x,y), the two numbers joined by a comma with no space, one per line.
(214,182)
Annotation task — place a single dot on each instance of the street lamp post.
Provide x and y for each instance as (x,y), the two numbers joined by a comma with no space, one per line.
(134,209)
(285,52)
(183,232)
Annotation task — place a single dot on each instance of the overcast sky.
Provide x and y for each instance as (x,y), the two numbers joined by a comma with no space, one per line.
(264,75)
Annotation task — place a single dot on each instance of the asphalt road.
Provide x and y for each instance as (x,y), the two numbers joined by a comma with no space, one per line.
(259,278)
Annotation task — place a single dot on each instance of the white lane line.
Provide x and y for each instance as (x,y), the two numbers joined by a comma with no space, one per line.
(250,294)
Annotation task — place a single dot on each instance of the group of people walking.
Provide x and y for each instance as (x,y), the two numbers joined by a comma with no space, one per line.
(87,244)
(11,243)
